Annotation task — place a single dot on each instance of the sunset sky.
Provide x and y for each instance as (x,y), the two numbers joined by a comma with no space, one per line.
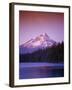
(32,24)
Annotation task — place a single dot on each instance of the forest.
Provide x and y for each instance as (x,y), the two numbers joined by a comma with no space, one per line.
(53,54)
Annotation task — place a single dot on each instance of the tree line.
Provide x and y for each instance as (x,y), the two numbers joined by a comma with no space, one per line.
(54,54)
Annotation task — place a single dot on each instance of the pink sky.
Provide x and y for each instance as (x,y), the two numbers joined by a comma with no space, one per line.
(32,24)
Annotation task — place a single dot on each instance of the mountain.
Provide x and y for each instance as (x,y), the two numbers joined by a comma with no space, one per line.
(40,42)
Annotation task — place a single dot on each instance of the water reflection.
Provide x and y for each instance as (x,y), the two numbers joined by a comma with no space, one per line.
(42,71)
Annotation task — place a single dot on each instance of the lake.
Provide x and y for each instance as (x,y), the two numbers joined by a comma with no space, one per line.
(40,70)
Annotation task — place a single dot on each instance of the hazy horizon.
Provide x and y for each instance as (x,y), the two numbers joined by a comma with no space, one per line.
(32,24)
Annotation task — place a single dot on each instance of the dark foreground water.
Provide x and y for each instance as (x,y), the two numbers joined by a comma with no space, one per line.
(40,70)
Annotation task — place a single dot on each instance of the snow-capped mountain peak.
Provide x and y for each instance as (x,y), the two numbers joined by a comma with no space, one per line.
(40,42)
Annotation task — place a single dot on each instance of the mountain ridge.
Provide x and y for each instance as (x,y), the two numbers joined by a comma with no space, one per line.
(40,42)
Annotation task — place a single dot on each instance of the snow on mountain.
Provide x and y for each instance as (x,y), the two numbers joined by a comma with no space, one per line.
(40,42)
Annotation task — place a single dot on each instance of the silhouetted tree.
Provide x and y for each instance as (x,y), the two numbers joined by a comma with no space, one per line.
(54,54)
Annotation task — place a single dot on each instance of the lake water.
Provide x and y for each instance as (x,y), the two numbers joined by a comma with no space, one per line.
(40,70)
